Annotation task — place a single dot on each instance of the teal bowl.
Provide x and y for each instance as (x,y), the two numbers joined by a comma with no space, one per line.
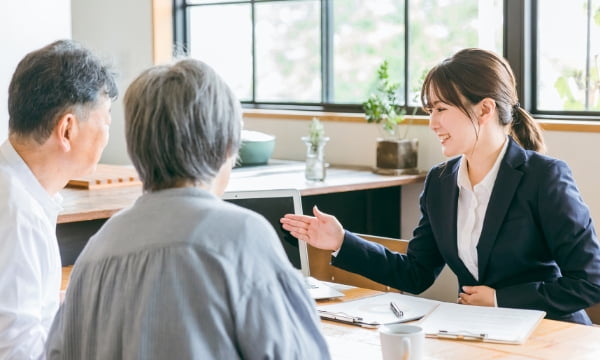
(256,148)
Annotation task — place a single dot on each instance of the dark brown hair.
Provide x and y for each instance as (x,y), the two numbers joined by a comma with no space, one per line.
(475,74)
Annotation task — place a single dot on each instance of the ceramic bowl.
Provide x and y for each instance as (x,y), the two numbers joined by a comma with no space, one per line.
(256,148)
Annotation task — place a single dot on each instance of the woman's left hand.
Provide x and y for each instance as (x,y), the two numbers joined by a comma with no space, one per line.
(480,295)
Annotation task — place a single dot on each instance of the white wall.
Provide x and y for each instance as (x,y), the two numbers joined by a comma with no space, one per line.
(122,31)
(26,25)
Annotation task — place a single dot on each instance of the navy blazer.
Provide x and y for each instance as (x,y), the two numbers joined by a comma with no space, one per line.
(538,247)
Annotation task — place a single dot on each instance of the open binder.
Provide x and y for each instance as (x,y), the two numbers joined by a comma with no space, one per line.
(440,319)
(377,310)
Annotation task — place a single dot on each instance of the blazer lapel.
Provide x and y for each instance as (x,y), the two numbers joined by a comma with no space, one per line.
(504,190)
(448,212)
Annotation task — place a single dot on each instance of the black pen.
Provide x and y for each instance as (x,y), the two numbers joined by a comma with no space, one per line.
(396,310)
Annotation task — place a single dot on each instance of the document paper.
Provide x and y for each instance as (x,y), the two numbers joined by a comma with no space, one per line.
(503,325)
(375,310)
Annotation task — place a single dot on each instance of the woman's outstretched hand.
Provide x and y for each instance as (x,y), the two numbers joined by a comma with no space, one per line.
(322,231)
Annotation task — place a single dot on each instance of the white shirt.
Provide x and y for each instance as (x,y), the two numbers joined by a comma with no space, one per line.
(472,205)
(30,266)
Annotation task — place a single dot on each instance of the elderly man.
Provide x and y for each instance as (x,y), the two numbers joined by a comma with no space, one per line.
(59,106)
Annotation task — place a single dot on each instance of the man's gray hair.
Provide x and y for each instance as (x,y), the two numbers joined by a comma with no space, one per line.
(182,122)
(61,77)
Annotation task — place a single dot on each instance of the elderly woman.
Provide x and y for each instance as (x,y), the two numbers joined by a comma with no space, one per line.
(182,274)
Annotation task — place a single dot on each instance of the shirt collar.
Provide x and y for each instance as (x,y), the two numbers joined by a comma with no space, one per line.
(463,181)
(19,168)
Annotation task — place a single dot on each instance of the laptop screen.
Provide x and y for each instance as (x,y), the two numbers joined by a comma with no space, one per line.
(273,204)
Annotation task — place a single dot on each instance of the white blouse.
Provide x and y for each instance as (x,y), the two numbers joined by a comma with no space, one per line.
(472,205)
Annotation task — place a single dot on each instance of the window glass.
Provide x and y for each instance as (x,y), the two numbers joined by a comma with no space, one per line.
(221,36)
(365,33)
(288,51)
(440,28)
(203,2)
(568,55)
(288,60)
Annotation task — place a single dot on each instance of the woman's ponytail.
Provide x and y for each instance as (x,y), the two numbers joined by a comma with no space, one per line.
(526,131)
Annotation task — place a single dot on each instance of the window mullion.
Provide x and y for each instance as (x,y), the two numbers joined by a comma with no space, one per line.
(254,77)
(327,91)
(588,56)
(180,25)
(406,50)
(519,48)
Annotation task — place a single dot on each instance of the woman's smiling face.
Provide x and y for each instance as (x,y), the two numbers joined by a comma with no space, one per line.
(454,129)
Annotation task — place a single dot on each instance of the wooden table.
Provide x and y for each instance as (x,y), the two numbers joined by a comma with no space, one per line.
(550,340)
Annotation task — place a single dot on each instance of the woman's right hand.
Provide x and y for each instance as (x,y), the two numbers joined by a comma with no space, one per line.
(322,231)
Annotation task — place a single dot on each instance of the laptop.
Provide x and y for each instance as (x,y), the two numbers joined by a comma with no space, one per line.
(273,204)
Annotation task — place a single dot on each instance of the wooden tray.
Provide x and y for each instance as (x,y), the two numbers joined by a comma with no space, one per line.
(107,176)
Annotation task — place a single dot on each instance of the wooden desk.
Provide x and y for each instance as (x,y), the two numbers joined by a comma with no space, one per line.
(551,340)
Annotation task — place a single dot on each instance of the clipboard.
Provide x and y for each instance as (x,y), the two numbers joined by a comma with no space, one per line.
(376,310)
(481,323)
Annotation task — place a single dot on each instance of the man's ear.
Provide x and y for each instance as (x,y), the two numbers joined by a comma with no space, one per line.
(487,108)
(65,130)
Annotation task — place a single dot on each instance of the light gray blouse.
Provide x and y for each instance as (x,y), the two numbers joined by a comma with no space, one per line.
(184,275)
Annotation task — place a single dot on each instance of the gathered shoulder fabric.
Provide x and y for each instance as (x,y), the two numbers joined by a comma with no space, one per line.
(184,275)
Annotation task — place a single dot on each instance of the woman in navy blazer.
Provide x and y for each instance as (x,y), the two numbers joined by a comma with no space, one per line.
(509,221)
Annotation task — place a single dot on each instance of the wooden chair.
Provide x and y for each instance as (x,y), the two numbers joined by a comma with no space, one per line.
(66,275)
(321,268)
(594,314)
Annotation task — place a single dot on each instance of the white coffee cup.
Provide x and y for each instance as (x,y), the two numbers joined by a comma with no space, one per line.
(402,342)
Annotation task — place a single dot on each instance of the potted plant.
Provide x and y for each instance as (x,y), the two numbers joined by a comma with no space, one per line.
(395,153)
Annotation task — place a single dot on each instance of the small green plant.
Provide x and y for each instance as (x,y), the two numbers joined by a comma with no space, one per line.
(383,105)
(315,142)
(316,133)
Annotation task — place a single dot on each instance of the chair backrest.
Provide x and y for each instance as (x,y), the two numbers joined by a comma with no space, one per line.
(321,268)
(594,314)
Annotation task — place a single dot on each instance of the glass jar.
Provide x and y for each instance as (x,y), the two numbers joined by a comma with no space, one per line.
(315,159)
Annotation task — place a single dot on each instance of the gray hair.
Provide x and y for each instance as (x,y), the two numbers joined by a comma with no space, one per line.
(60,77)
(182,122)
